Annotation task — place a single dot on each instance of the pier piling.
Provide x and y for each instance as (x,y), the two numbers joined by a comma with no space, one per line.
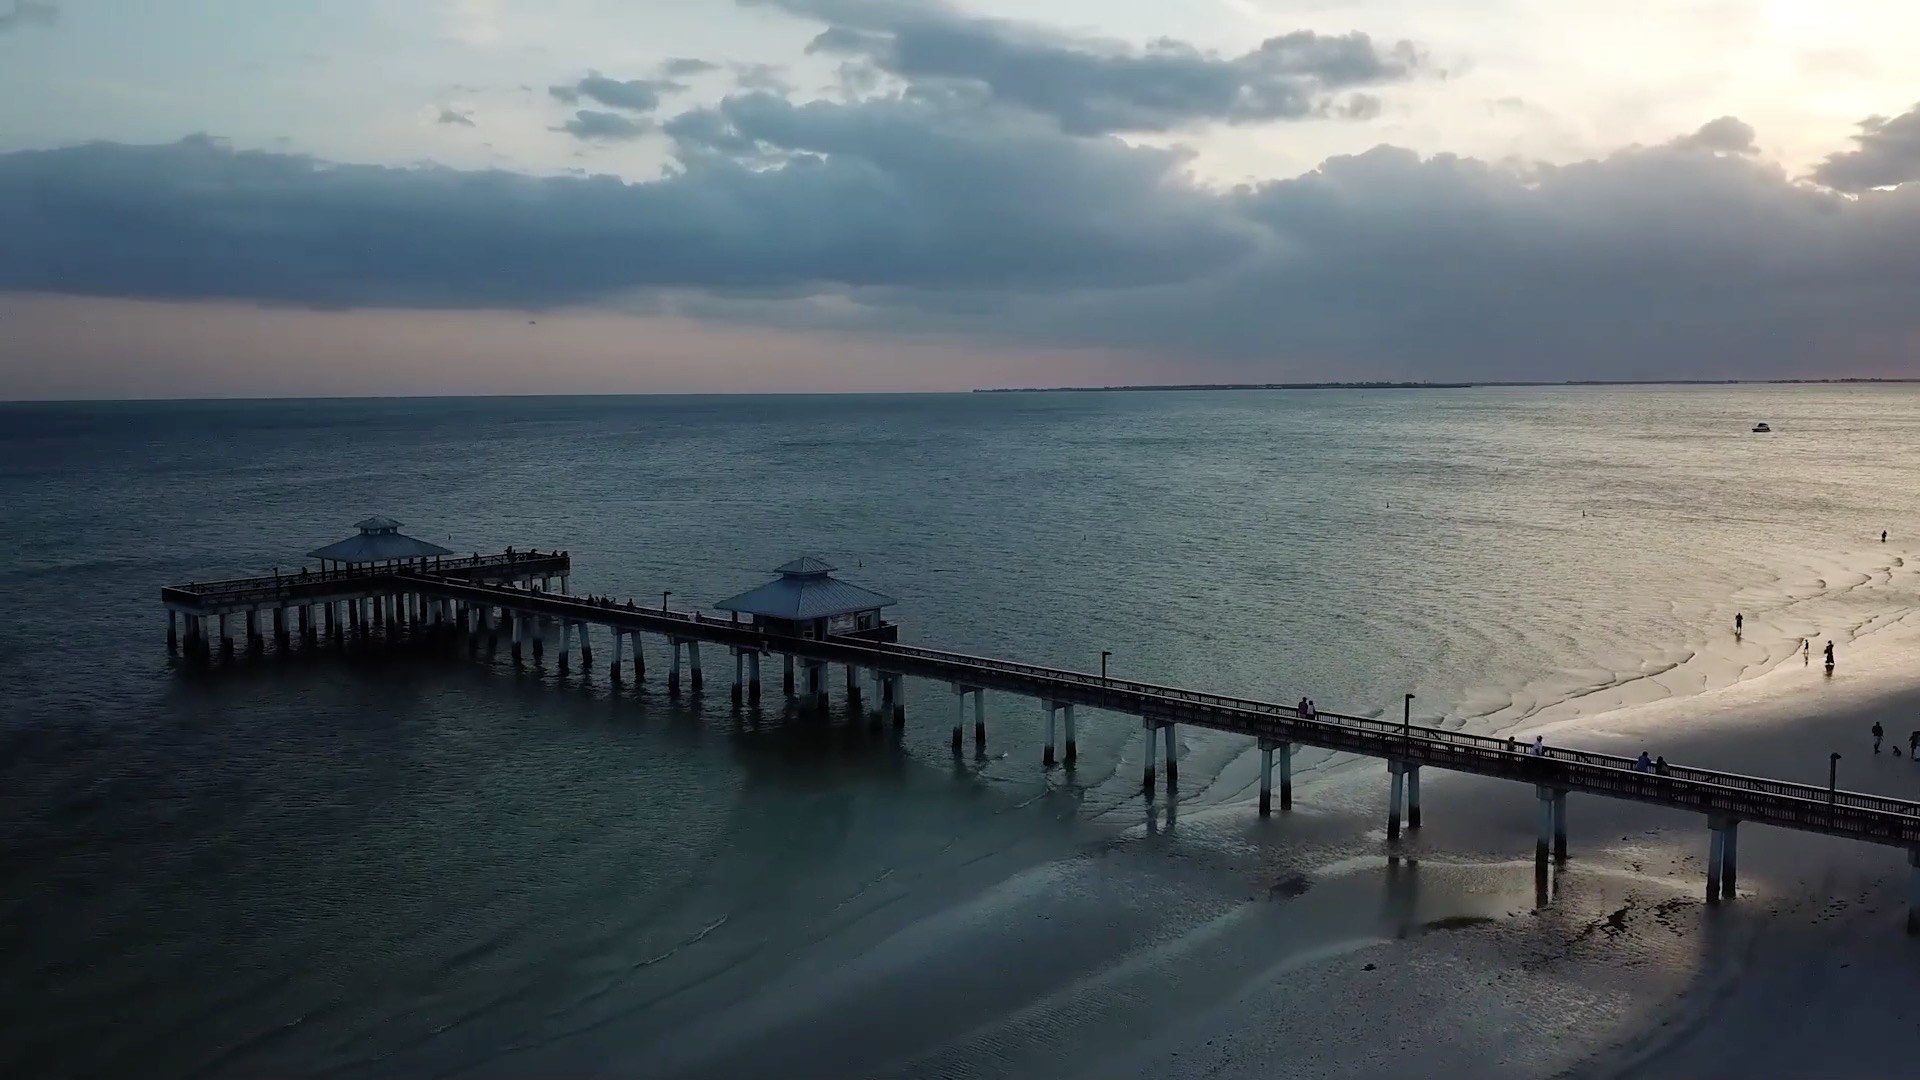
(1560,827)
(1046,754)
(673,670)
(1146,776)
(1396,785)
(959,716)
(1412,773)
(753,677)
(173,630)
(1169,734)
(1072,747)
(1266,777)
(980,721)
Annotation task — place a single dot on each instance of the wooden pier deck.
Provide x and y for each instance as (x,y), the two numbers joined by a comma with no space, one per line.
(482,595)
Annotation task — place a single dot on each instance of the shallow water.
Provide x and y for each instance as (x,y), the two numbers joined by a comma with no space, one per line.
(421,865)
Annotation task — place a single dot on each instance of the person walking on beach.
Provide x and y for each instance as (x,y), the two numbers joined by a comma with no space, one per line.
(1829,656)
(1878,733)
(1739,621)
(1883,536)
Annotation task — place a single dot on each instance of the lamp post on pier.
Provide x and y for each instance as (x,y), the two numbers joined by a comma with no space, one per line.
(1833,774)
(664,593)
(1104,653)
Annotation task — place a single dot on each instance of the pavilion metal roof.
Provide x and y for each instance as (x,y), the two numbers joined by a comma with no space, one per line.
(379,541)
(805,591)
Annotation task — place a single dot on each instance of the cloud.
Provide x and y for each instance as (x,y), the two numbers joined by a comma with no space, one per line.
(680,67)
(1727,135)
(935,210)
(637,95)
(1094,87)
(1888,154)
(597,125)
(29,13)
(457,117)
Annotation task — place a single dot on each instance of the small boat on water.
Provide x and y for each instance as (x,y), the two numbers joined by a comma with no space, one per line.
(1762,426)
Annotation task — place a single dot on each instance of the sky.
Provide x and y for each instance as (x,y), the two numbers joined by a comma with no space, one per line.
(242,198)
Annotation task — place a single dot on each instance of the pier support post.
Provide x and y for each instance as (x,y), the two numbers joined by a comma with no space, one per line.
(280,628)
(566,632)
(739,675)
(980,720)
(693,659)
(673,670)
(1286,775)
(353,616)
(514,623)
(328,624)
(1266,777)
(619,644)
(1046,754)
(1722,855)
(253,632)
(753,677)
(1543,842)
(226,639)
(786,681)
(1153,745)
(817,685)
(639,659)
(1413,795)
(1729,856)
(539,627)
(853,685)
(1716,851)
(1397,783)
(1560,827)
(1072,747)
(1913,890)
(1169,734)
(586,647)
(173,630)
(890,701)
(959,716)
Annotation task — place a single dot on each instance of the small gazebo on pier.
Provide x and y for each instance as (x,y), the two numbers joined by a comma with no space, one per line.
(379,540)
(807,601)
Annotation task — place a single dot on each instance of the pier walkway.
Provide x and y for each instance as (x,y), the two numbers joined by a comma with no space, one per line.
(484,598)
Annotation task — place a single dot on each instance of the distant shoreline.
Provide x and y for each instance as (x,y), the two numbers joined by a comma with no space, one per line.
(1425,385)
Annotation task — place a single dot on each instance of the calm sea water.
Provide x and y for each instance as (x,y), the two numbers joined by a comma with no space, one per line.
(425,865)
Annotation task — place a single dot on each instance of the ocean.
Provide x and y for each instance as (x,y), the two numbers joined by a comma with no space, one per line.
(415,865)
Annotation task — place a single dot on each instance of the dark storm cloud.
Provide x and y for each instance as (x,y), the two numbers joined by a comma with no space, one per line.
(1092,87)
(1888,153)
(878,194)
(457,117)
(28,13)
(936,210)
(637,95)
(593,124)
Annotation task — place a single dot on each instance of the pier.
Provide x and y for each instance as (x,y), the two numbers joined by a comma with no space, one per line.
(811,621)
